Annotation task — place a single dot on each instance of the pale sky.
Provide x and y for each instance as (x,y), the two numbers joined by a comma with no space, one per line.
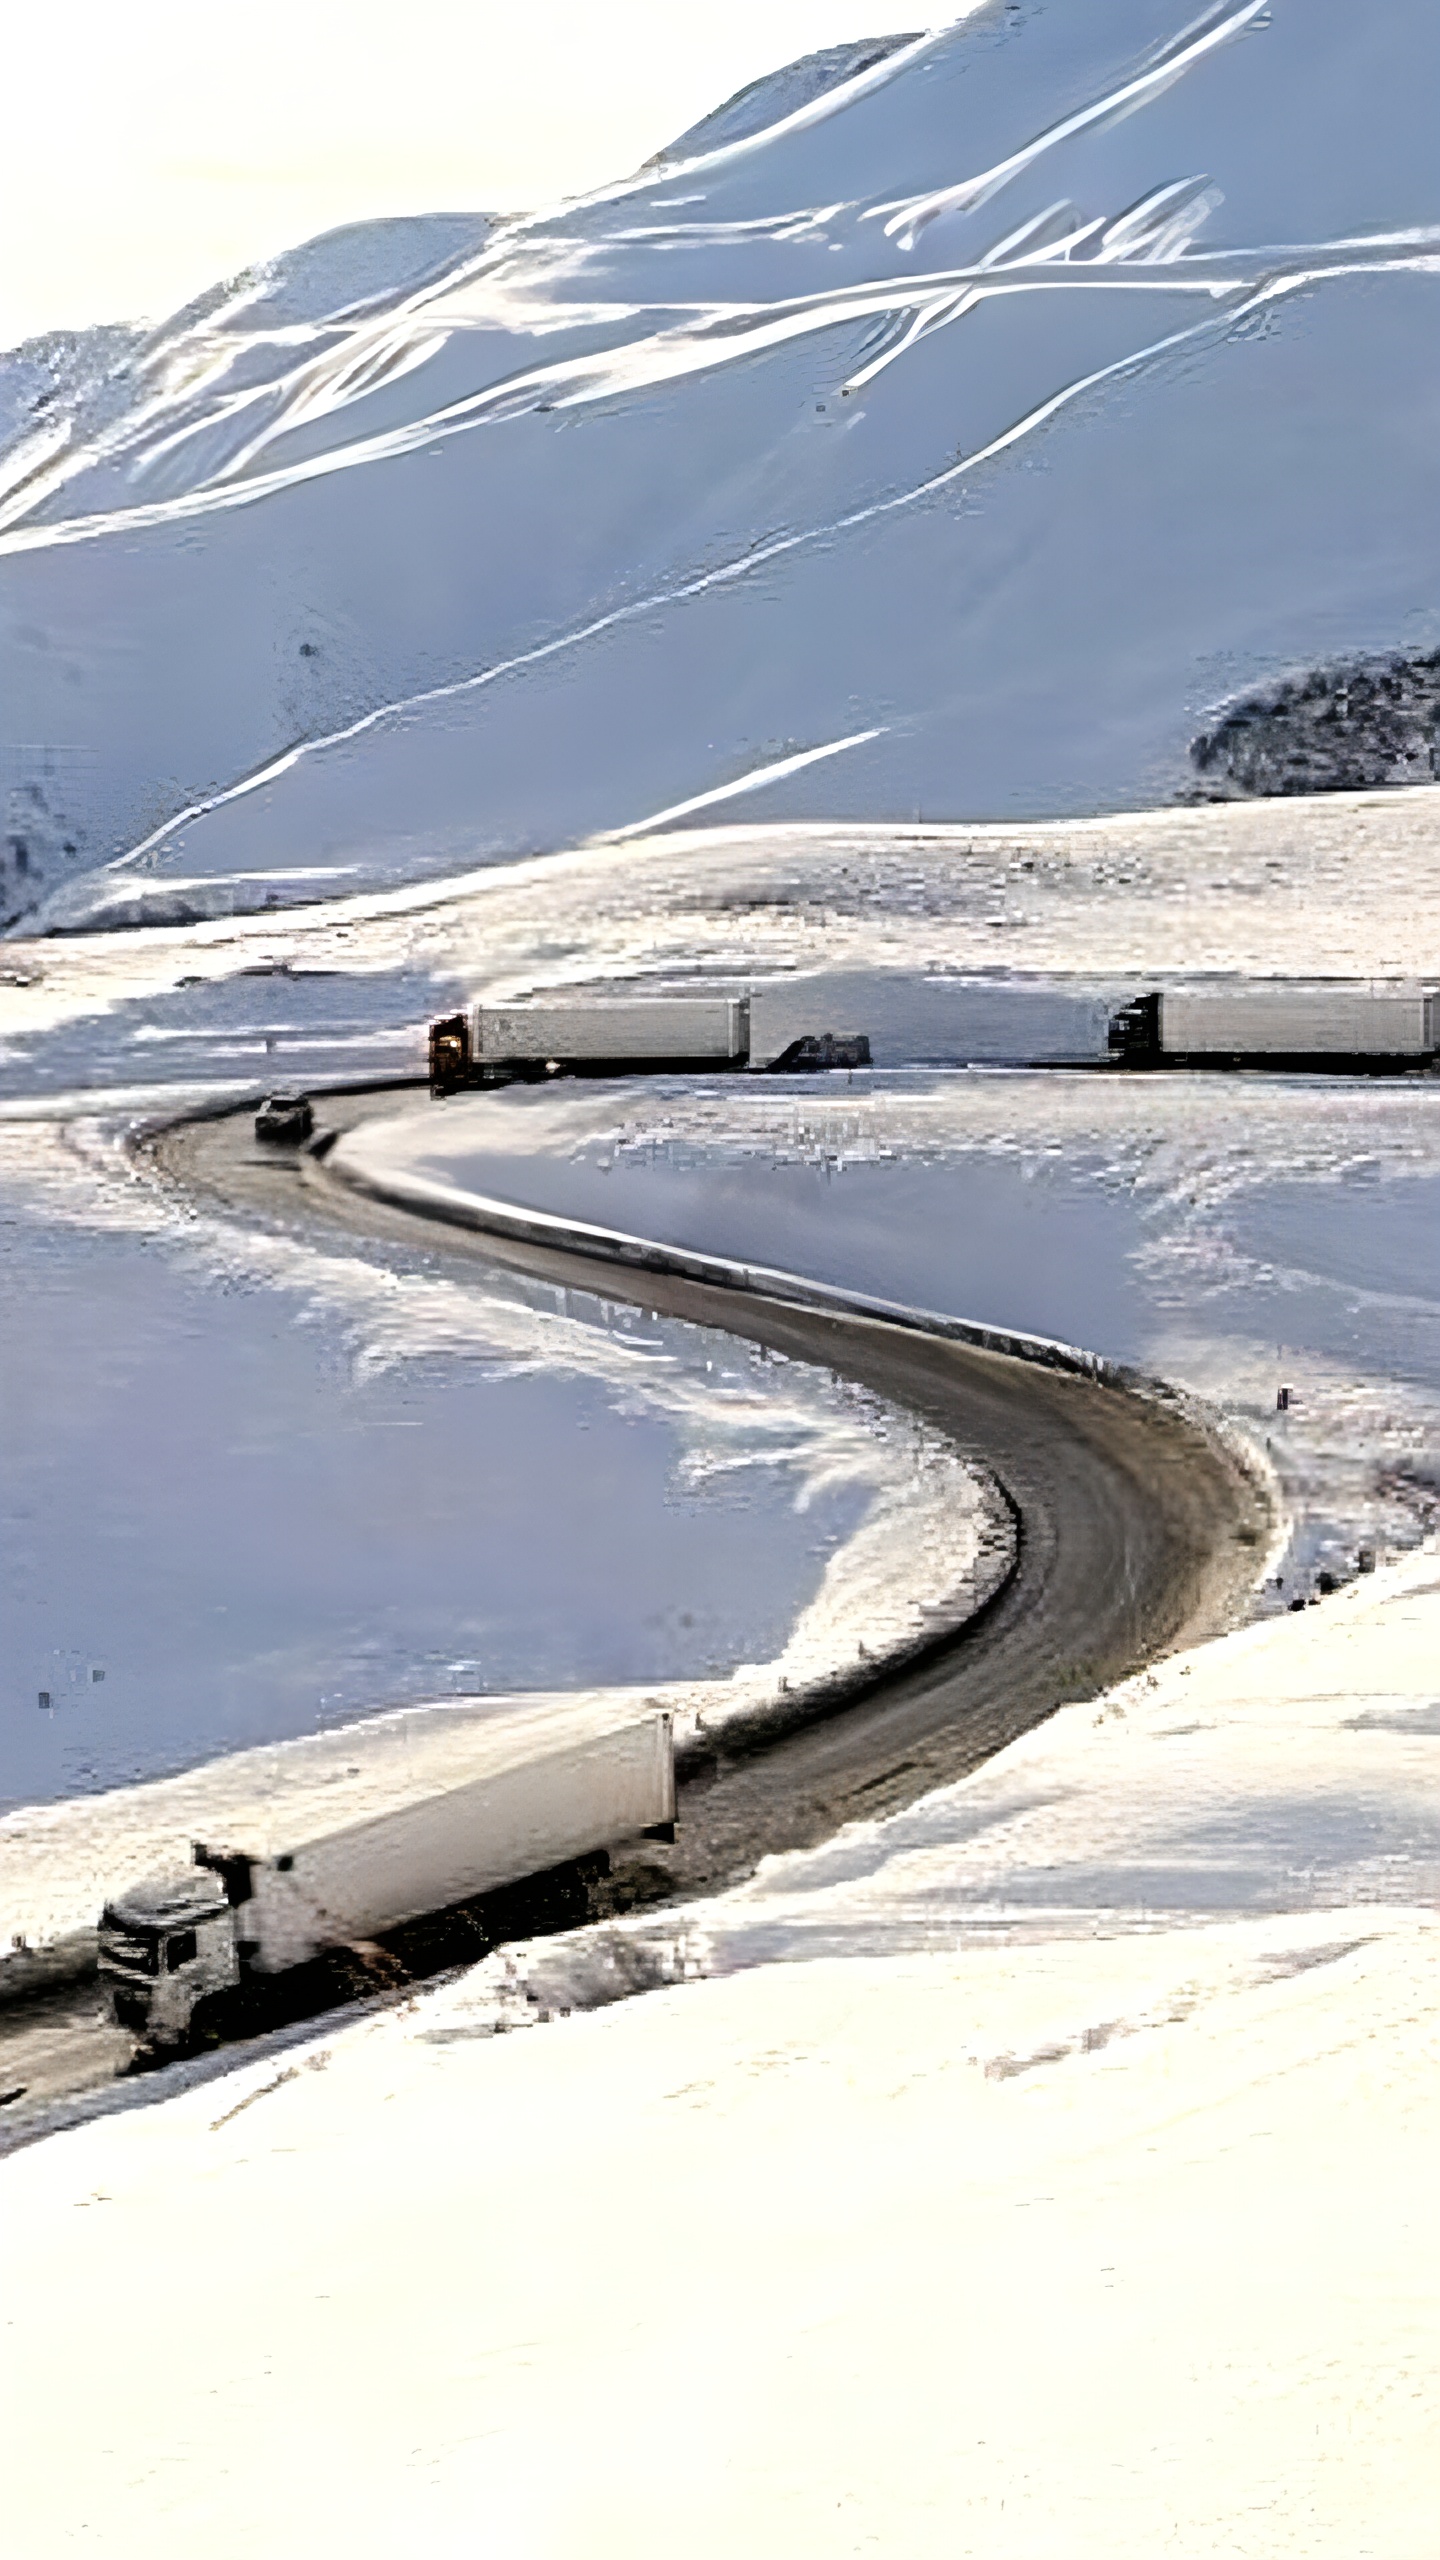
(151,147)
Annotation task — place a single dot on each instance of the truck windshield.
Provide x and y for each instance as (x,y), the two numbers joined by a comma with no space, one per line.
(137,1949)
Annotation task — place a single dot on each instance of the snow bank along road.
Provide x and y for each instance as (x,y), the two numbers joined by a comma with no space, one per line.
(1139,1528)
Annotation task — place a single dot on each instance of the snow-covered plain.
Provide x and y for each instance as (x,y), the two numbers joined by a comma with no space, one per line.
(813,466)
(1049,2170)
(1234,1237)
(310,1484)
(1064,913)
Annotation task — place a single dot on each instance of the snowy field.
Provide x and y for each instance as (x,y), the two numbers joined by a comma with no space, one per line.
(934,449)
(1344,884)
(1047,2170)
(1233,1235)
(253,1489)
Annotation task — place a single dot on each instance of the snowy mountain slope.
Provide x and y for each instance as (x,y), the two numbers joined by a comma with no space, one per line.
(987,420)
(779,94)
(60,395)
(44,383)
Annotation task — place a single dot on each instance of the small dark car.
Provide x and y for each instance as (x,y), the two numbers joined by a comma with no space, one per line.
(820,1051)
(286,1119)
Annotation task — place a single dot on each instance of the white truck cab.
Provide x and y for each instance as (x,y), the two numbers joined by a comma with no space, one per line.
(165,1946)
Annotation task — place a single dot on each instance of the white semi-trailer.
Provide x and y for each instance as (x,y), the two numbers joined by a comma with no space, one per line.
(710,1031)
(1335,1025)
(493,1042)
(617,1035)
(176,1949)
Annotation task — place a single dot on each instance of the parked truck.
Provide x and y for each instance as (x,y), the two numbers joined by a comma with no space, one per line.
(615,1035)
(175,1951)
(1337,1026)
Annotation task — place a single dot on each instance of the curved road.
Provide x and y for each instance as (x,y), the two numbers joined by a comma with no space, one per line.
(1139,1531)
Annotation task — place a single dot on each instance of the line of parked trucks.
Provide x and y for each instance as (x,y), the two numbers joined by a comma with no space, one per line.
(1337,1025)
(1340,1026)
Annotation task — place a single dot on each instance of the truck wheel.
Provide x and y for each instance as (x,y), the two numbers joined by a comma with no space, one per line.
(207,2023)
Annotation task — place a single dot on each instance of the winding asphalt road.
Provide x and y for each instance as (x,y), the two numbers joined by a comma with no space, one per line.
(1139,1529)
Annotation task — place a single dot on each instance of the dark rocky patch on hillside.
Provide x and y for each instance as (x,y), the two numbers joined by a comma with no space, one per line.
(1365,726)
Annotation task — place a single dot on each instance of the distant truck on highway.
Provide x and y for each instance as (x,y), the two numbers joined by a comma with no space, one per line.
(1337,1026)
(175,1952)
(615,1035)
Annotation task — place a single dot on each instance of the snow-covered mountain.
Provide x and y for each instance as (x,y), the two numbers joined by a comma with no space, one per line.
(958,438)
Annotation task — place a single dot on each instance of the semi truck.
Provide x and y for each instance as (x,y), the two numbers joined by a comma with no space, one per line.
(1338,1026)
(345,1869)
(616,1035)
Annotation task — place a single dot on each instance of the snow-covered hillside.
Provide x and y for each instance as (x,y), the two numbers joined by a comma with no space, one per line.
(958,443)
(1287,1236)
(1045,2173)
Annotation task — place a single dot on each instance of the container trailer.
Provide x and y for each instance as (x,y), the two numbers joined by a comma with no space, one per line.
(1338,1026)
(618,1035)
(614,1035)
(174,1950)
